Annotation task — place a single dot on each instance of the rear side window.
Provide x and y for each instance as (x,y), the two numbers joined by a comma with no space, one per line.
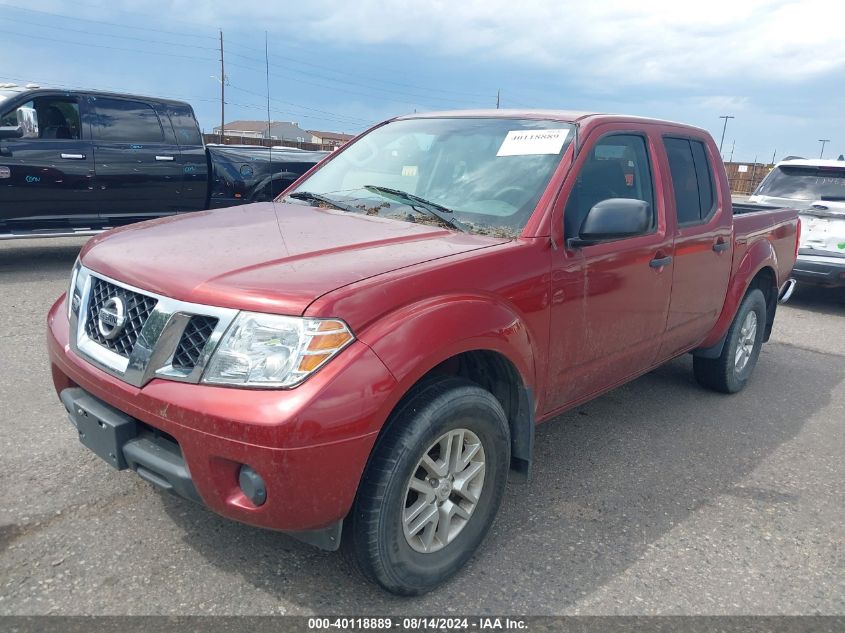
(184,125)
(126,121)
(692,179)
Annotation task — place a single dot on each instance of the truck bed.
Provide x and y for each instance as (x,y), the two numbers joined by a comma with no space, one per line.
(754,223)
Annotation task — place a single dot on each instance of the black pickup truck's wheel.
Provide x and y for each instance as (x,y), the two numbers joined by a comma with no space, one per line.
(730,372)
(432,487)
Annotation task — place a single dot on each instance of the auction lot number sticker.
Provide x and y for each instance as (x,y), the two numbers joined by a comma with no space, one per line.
(533,142)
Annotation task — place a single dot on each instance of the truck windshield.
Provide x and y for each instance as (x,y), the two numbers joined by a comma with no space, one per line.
(482,175)
(804,183)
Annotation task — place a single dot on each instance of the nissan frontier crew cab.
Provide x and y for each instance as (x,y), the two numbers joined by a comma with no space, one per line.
(362,362)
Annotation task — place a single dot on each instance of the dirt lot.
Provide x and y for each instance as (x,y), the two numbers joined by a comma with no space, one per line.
(657,498)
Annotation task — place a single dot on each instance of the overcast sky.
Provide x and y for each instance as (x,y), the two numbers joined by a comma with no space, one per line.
(778,66)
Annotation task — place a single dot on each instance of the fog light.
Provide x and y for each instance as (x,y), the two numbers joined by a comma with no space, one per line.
(252,485)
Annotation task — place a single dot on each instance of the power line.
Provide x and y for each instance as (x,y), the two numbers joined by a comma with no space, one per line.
(104,46)
(193,98)
(351,119)
(295,60)
(135,50)
(397,96)
(121,37)
(253,59)
(261,107)
(208,59)
(103,22)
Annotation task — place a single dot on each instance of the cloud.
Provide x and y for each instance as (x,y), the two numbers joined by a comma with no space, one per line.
(628,43)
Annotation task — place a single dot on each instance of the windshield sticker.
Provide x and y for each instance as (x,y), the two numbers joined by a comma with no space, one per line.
(532,142)
(409,170)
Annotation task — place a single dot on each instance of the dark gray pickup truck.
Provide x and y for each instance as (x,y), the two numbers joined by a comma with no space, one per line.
(80,162)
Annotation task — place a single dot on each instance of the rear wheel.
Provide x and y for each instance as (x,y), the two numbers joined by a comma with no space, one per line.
(730,372)
(432,487)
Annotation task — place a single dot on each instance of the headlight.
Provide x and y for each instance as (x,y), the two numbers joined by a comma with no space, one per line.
(266,350)
(74,294)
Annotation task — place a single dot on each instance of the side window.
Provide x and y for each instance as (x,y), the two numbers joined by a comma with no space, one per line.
(126,121)
(692,179)
(10,118)
(706,193)
(184,125)
(617,167)
(57,117)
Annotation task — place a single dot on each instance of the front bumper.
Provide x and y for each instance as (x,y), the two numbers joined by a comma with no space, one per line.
(820,270)
(309,444)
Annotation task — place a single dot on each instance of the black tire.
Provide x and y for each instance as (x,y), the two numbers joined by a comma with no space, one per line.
(374,540)
(721,374)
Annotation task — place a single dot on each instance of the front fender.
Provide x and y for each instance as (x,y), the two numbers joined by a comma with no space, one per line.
(257,187)
(758,256)
(413,340)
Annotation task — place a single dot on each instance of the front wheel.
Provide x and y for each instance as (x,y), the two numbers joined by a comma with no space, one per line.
(730,372)
(432,487)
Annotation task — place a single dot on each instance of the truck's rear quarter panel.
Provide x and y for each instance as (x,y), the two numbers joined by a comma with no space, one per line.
(777,228)
(762,239)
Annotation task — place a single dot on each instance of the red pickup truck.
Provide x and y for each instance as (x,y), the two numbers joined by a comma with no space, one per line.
(364,360)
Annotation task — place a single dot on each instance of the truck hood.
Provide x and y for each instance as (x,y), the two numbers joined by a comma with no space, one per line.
(266,257)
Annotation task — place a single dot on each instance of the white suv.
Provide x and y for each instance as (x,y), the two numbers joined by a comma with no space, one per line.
(817,188)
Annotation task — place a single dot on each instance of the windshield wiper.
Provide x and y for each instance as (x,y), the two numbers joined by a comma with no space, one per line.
(415,202)
(310,196)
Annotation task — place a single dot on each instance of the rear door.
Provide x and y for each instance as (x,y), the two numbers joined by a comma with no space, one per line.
(47,181)
(193,195)
(703,242)
(136,160)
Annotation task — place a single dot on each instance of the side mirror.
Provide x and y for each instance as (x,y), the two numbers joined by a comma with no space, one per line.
(613,219)
(11,131)
(28,122)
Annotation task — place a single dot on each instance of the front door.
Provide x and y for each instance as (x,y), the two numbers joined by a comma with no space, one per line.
(47,179)
(609,300)
(137,161)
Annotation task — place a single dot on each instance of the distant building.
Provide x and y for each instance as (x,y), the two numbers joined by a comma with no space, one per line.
(335,139)
(279,130)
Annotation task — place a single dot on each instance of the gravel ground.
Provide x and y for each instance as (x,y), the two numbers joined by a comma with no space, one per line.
(658,497)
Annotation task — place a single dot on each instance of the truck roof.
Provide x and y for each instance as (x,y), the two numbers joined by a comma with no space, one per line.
(12,90)
(812,162)
(567,116)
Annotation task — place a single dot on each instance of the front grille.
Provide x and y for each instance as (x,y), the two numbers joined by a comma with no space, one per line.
(194,338)
(138,309)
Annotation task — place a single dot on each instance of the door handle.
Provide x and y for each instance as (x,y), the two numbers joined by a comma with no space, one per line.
(720,247)
(660,262)
(164,157)
(73,156)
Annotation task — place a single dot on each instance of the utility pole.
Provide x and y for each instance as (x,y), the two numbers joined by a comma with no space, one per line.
(498,94)
(823,141)
(724,128)
(267,85)
(753,173)
(222,92)
(733,144)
